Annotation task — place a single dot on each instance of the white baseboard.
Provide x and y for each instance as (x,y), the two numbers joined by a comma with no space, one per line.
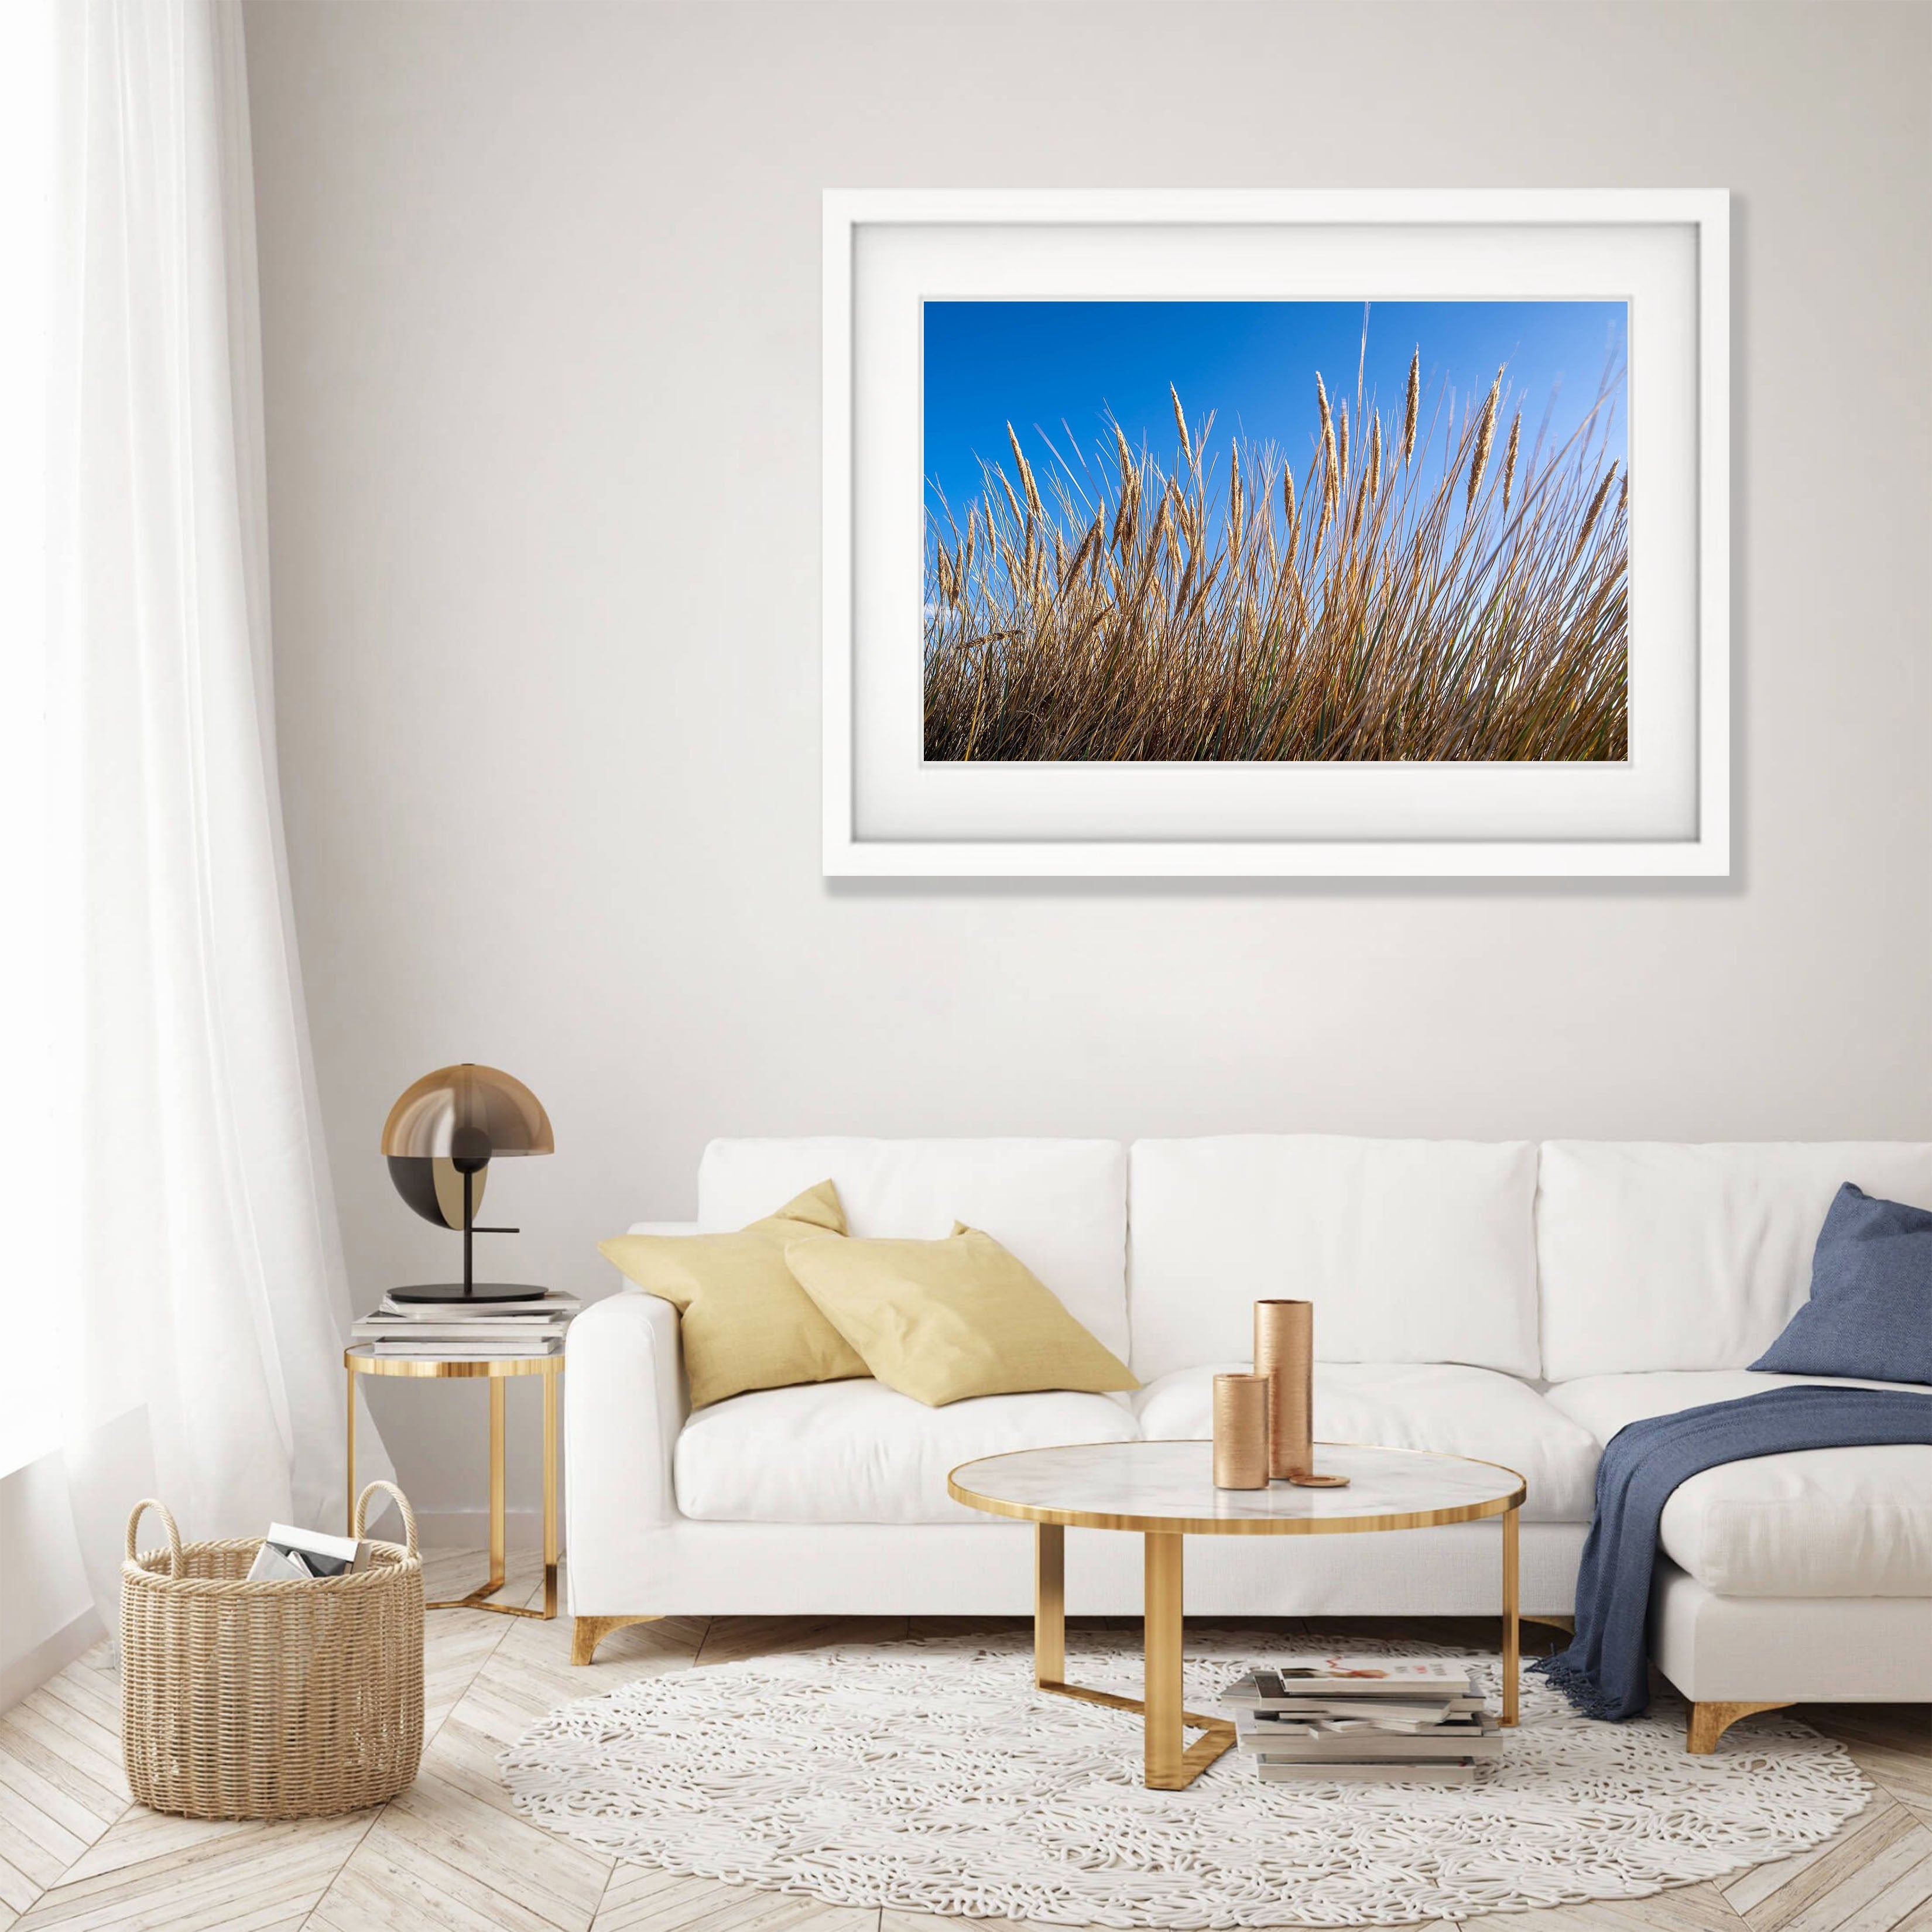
(51,1655)
(469,1529)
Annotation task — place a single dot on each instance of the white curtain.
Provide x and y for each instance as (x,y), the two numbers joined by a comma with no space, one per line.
(205,1284)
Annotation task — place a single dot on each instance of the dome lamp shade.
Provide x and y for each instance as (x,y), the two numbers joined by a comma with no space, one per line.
(441,1135)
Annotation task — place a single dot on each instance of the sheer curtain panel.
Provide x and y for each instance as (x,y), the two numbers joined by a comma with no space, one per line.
(201,1262)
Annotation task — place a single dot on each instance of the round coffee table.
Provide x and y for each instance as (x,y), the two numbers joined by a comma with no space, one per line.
(1165,1490)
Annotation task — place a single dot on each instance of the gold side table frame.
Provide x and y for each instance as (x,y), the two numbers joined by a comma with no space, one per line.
(1171,1763)
(363,1361)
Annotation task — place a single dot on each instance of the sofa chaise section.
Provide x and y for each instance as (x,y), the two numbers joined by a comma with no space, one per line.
(1664,1271)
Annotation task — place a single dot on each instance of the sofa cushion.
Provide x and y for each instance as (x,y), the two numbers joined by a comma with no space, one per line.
(1655,1256)
(1059,1205)
(1871,1308)
(860,1452)
(1812,1522)
(944,1321)
(1411,1251)
(1405,1405)
(743,1320)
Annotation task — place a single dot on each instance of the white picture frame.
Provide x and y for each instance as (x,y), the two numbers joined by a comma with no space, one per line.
(1665,812)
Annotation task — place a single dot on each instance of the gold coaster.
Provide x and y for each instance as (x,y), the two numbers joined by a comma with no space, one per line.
(1315,1482)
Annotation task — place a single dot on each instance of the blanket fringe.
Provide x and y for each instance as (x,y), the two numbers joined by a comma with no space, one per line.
(1578,1683)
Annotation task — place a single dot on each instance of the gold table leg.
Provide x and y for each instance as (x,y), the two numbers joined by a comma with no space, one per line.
(1160,1648)
(1169,1767)
(550,1495)
(1512,1629)
(500,1487)
(348,1500)
(498,1507)
(1049,1606)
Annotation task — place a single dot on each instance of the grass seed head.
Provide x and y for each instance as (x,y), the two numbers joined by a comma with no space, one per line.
(1331,468)
(1089,547)
(1128,514)
(1485,430)
(1414,407)
(1590,515)
(1509,459)
(1180,424)
(1026,475)
(1013,502)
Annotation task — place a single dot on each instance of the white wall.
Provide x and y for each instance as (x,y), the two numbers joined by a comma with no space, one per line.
(46,1614)
(540,288)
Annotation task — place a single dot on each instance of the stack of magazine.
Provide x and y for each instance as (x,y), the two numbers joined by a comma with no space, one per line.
(305,1555)
(469,1331)
(1420,1720)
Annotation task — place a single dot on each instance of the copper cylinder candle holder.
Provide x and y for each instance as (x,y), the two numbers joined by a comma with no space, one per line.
(1285,1355)
(1241,1432)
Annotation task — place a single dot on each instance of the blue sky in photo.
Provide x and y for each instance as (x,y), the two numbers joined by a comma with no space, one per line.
(1061,364)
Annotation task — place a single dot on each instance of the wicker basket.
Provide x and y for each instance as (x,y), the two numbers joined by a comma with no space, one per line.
(269,1700)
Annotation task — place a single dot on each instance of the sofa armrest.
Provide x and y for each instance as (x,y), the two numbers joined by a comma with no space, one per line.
(625,1406)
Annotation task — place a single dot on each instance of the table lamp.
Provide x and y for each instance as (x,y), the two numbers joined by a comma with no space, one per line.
(439,1140)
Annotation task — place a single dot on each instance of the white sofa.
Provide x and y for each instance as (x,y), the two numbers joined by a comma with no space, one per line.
(1506,1300)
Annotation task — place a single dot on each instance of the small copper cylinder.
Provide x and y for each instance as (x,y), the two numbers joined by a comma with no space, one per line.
(1241,1432)
(1285,1355)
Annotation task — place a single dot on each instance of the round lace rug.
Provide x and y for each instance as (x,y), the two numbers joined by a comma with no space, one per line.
(930,1776)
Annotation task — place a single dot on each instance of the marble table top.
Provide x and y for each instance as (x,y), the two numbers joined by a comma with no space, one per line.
(1169,1486)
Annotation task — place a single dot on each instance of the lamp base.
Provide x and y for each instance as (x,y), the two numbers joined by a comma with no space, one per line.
(454,1292)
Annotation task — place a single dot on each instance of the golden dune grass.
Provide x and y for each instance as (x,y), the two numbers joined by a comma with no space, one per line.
(1200,611)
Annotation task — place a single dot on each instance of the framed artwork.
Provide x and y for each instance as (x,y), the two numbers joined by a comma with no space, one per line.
(1261,533)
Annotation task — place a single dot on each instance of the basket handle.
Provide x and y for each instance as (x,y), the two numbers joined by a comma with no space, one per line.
(167,1523)
(402,1503)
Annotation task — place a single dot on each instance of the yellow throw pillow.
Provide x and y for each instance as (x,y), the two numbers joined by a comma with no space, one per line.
(746,1322)
(940,1321)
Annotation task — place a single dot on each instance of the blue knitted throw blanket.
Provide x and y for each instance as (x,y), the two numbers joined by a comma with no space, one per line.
(1604,1672)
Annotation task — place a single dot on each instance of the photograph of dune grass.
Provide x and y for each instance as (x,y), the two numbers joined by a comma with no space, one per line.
(1261,531)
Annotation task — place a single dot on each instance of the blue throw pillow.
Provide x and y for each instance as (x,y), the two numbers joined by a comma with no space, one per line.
(1870,1310)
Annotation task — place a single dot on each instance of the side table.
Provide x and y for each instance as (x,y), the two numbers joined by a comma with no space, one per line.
(363,1360)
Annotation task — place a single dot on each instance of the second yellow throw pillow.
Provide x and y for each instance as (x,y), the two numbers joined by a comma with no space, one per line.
(743,1320)
(940,1321)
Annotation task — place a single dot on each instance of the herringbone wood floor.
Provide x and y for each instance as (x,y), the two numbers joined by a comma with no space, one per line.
(451,1851)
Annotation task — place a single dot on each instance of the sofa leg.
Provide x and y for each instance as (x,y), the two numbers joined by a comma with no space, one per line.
(589,1632)
(1709,1722)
